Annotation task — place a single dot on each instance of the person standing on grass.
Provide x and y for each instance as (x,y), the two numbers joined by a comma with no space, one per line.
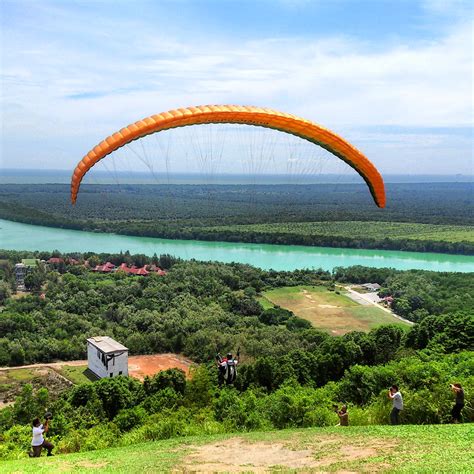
(397,404)
(38,442)
(343,416)
(459,403)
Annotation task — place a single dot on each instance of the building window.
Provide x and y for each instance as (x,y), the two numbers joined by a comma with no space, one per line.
(98,353)
(120,373)
(111,374)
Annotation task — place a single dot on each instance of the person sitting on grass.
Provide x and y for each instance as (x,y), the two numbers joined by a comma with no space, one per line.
(397,404)
(459,403)
(38,442)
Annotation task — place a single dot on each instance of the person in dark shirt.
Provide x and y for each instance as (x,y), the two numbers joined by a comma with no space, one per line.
(459,403)
(343,416)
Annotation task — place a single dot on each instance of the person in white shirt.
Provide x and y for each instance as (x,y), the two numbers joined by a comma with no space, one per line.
(397,404)
(38,442)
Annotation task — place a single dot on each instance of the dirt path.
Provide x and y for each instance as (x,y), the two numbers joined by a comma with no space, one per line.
(364,299)
(138,366)
(241,455)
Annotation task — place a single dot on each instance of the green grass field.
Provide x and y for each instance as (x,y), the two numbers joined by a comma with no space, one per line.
(421,449)
(74,373)
(328,310)
(361,230)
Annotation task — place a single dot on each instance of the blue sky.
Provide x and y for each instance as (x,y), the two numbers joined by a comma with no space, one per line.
(395,78)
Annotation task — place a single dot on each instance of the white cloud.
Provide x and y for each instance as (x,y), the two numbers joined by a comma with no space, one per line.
(65,92)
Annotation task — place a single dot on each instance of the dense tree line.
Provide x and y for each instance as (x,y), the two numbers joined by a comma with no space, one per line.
(187,211)
(236,234)
(200,307)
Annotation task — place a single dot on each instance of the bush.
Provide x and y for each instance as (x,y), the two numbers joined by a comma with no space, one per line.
(16,442)
(118,393)
(172,378)
(130,418)
(291,404)
(102,436)
(161,400)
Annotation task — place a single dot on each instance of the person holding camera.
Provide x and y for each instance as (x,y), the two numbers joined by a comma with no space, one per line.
(38,442)
(343,415)
(459,403)
(397,404)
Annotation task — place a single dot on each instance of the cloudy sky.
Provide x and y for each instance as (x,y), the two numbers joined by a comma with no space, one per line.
(395,78)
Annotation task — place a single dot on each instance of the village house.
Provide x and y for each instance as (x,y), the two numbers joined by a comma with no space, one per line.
(106,357)
(133,270)
(105,268)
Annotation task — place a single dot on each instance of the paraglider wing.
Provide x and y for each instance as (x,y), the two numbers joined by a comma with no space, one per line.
(261,117)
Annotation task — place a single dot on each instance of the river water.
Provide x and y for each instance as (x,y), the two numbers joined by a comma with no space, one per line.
(16,236)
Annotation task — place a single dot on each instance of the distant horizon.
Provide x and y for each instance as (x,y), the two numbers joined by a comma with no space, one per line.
(103,177)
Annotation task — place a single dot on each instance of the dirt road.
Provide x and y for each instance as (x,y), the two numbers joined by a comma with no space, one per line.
(368,299)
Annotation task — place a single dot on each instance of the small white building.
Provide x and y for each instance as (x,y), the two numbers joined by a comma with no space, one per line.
(106,357)
(371,286)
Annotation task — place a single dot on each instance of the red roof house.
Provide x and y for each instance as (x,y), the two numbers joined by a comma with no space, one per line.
(105,268)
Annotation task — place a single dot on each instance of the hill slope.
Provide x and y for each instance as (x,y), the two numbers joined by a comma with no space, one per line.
(431,448)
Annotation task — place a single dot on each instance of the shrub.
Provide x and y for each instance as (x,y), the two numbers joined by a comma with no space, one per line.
(16,442)
(118,393)
(161,400)
(130,418)
(172,378)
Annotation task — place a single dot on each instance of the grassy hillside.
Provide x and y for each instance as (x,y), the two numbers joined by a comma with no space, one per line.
(445,448)
(327,310)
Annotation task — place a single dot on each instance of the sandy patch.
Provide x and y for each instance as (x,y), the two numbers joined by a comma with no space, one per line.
(239,455)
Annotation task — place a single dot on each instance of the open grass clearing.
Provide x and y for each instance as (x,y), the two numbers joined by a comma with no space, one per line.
(427,449)
(330,311)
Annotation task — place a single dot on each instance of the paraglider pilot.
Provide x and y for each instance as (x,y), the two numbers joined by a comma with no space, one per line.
(227,368)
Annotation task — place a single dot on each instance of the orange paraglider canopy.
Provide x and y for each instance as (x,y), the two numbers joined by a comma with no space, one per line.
(257,116)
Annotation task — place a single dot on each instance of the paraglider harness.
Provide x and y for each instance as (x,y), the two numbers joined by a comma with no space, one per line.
(227,368)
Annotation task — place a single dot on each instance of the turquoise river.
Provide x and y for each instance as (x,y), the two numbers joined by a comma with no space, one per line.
(16,236)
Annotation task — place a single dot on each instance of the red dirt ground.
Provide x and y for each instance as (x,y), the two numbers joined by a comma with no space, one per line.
(140,366)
